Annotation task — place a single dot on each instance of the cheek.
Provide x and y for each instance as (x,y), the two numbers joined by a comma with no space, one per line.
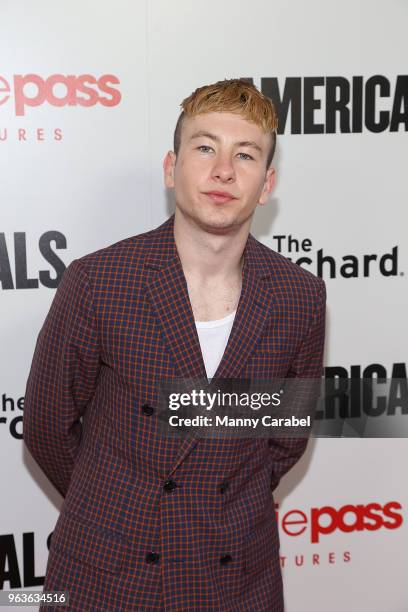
(191,174)
(182,175)
(186,183)
(254,184)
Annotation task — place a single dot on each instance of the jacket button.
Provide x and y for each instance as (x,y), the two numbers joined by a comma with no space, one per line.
(225,559)
(223,487)
(152,557)
(147,409)
(169,485)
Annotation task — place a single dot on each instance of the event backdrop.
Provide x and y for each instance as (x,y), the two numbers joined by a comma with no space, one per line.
(89,96)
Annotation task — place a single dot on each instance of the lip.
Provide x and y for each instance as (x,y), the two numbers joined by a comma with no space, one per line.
(220,196)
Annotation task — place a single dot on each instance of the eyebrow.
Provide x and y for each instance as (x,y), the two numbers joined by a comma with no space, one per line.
(242,143)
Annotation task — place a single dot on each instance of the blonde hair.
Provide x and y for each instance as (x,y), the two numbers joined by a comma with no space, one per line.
(231,96)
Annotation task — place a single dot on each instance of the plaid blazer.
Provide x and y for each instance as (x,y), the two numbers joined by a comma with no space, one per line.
(151,522)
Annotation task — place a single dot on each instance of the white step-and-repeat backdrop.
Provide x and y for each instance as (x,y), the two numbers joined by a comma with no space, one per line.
(89,97)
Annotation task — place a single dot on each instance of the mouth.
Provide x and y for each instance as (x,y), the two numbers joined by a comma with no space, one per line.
(220,196)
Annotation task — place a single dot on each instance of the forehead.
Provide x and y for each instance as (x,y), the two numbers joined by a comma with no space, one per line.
(226,126)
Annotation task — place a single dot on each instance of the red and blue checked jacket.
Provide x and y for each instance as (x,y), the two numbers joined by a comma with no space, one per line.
(152,522)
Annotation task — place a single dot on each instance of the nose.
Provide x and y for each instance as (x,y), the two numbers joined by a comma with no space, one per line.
(223,169)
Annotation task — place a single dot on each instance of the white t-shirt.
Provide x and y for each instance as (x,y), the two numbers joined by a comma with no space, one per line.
(213,336)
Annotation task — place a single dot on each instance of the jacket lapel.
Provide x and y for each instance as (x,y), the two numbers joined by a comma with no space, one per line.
(253,312)
(168,292)
(169,296)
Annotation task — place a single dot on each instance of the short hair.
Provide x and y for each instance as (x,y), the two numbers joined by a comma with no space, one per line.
(231,96)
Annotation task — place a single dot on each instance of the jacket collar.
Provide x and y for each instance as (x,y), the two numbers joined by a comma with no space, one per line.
(162,250)
(168,292)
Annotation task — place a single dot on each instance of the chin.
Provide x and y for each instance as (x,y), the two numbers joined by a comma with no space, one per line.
(220,224)
(214,220)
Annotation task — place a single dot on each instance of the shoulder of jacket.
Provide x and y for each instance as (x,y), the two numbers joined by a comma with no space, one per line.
(129,249)
(282,266)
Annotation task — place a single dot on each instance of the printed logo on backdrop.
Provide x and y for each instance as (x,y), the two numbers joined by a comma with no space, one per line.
(24,94)
(330,524)
(336,104)
(349,399)
(11,415)
(322,262)
(16,276)
(325,524)
(15,575)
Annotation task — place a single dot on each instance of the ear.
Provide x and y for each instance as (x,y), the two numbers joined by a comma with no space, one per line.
(169,163)
(270,180)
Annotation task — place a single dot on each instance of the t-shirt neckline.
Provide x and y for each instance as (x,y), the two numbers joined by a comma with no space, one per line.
(216,322)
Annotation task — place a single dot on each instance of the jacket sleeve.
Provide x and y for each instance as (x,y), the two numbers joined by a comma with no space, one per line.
(62,378)
(308,364)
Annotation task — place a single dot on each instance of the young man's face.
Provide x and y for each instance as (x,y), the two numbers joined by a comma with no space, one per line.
(220,173)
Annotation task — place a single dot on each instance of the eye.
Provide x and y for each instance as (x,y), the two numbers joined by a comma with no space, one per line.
(245,156)
(204,148)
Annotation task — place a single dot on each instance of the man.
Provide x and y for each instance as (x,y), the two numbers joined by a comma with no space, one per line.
(151,522)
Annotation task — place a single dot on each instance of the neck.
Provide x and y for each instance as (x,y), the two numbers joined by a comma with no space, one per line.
(206,255)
